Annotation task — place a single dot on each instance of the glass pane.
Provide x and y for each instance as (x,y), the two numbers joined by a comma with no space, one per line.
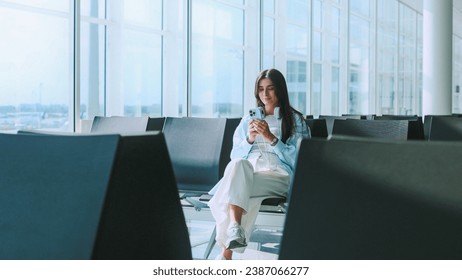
(317,46)
(221,23)
(419,90)
(358,101)
(217,44)
(174,59)
(147,13)
(91,71)
(268,34)
(93,8)
(216,93)
(317,14)
(141,80)
(297,40)
(407,51)
(58,5)
(360,6)
(297,11)
(335,87)
(268,61)
(387,48)
(316,86)
(335,21)
(236,2)
(296,84)
(35,69)
(268,6)
(335,50)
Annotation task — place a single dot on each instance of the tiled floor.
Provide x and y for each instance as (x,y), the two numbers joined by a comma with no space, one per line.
(263,245)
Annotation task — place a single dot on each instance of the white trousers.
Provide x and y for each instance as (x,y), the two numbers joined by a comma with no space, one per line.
(243,187)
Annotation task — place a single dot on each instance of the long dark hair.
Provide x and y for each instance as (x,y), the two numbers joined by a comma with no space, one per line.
(285,110)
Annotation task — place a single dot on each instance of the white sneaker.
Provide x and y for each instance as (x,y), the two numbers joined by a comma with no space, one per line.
(236,237)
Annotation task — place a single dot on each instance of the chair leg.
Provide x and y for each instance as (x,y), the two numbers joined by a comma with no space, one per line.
(211,243)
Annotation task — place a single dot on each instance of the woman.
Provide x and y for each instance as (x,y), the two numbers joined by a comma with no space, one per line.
(262,163)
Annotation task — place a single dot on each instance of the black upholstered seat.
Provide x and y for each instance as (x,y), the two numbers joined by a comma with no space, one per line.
(89,197)
(445,128)
(375,199)
(195,148)
(386,129)
(117,124)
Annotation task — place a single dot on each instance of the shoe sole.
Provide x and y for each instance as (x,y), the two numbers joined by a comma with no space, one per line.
(235,244)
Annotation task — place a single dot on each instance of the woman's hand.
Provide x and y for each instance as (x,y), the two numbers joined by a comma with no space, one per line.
(259,127)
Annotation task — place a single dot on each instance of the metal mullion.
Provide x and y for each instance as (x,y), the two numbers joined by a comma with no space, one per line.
(76,62)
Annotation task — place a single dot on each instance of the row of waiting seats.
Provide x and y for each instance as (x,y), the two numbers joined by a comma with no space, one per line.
(101,196)
(375,199)
(442,128)
(91,196)
(199,150)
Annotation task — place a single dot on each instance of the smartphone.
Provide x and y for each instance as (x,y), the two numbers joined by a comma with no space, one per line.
(257,113)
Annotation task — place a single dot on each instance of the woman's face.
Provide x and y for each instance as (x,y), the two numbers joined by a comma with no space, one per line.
(267,93)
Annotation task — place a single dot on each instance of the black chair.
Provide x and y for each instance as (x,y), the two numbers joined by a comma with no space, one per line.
(118,124)
(390,129)
(416,128)
(89,197)
(445,128)
(155,124)
(375,199)
(318,127)
(362,117)
(396,117)
(427,123)
(330,121)
(200,149)
(195,147)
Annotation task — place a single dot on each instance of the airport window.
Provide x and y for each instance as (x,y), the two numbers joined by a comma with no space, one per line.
(268,34)
(35,65)
(407,91)
(419,71)
(335,90)
(165,58)
(217,62)
(297,51)
(316,90)
(92,59)
(326,57)
(359,58)
(387,52)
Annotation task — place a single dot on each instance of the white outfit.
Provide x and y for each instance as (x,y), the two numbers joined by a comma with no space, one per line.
(256,172)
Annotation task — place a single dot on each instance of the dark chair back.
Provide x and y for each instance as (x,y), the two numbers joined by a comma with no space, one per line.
(375,199)
(318,127)
(330,121)
(445,128)
(118,124)
(195,146)
(155,124)
(89,197)
(416,128)
(390,129)
(362,117)
(225,154)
